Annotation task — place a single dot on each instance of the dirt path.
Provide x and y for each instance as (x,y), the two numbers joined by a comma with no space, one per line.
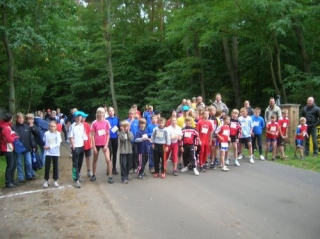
(33,212)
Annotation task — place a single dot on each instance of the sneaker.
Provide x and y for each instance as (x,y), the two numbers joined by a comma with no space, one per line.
(175,173)
(213,166)
(202,170)
(152,170)
(10,185)
(46,184)
(216,161)
(225,169)
(81,180)
(227,161)
(196,172)
(77,184)
(125,181)
(163,175)
(114,171)
(251,160)
(89,174)
(179,166)
(278,157)
(141,176)
(156,175)
(22,181)
(240,156)
(93,178)
(56,184)
(236,163)
(262,158)
(110,180)
(205,166)
(185,169)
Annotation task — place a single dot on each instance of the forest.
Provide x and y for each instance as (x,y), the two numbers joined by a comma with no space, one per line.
(66,53)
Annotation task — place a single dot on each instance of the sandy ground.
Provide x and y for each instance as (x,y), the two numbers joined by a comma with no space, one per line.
(30,211)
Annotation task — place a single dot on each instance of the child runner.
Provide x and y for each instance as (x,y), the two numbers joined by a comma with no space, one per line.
(174,132)
(283,133)
(125,150)
(100,139)
(77,137)
(188,146)
(205,129)
(258,125)
(223,135)
(52,139)
(87,144)
(160,144)
(234,134)
(150,129)
(272,131)
(246,131)
(301,134)
(142,141)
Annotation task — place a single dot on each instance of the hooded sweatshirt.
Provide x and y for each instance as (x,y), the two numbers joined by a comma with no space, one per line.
(7,137)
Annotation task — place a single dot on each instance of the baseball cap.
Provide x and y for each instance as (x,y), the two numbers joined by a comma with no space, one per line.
(185,108)
(80,113)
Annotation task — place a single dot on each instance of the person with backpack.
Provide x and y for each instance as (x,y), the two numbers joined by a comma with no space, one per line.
(7,137)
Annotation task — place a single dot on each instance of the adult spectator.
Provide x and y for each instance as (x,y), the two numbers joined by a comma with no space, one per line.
(219,104)
(200,104)
(246,105)
(312,113)
(272,109)
(179,108)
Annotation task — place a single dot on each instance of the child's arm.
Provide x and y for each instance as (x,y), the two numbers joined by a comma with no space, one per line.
(130,136)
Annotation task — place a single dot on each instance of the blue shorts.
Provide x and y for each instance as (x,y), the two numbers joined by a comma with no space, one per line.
(299,143)
(271,140)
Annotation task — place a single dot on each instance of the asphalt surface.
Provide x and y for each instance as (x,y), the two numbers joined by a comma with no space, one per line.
(261,200)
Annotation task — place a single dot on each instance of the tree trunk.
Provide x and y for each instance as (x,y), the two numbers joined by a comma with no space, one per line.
(282,89)
(302,47)
(10,59)
(232,65)
(201,75)
(273,76)
(109,55)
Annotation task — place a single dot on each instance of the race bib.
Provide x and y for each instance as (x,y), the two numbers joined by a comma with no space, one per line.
(204,130)
(255,123)
(125,136)
(187,135)
(114,129)
(273,128)
(226,132)
(101,132)
(144,136)
(284,125)
(51,141)
(159,134)
(224,145)
(233,125)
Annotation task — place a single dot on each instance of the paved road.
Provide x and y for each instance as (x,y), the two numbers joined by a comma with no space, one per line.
(264,200)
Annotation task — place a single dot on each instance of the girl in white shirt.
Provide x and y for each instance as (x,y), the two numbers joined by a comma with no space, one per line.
(52,139)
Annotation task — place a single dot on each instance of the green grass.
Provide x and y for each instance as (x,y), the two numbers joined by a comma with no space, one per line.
(309,163)
(3,165)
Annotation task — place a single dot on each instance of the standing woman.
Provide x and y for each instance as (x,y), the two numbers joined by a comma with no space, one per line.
(7,136)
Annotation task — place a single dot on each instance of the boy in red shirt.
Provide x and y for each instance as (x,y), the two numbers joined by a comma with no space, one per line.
(283,133)
(204,128)
(188,146)
(301,133)
(223,135)
(272,131)
(234,132)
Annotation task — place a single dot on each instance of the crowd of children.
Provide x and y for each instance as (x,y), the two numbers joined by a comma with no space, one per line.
(197,139)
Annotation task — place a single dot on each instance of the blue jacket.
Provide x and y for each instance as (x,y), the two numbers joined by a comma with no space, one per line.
(150,129)
(43,127)
(142,146)
(134,127)
(148,117)
(114,121)
(258,124)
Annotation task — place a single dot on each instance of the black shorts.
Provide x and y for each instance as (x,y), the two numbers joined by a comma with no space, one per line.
(98,147)
(245,140)
(233,138)
(87,153)
(280,141)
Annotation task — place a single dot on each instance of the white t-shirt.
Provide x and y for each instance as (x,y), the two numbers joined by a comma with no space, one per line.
(174,131)
(78,134)
(53,140)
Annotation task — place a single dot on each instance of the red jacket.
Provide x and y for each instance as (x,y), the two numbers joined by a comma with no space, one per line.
(7,137)
(189,136)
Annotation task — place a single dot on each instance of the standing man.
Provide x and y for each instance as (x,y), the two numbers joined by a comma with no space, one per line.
(312,113)
(219,104)
(179,108)
(200,104)
(272,109)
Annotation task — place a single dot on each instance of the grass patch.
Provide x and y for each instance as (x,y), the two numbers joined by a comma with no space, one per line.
(3,166)
(309,163)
